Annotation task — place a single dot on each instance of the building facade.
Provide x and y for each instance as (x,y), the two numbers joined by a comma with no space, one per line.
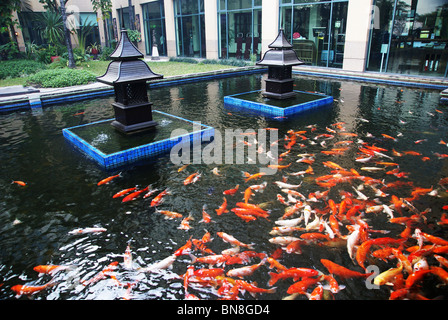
(397,36)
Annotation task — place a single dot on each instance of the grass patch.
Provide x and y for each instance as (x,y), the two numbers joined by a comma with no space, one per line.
(98,68)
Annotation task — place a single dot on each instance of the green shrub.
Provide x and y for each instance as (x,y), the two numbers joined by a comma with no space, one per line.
(19,68)
(57,78)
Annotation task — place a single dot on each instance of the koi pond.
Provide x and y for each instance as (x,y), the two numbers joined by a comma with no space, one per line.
(355,209)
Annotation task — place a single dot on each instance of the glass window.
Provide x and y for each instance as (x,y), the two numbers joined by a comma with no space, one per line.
(190,28)
(411,38)
(316,31)
(240,30)
(154,26)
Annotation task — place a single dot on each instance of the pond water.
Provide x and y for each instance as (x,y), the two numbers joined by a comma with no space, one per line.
(61,192)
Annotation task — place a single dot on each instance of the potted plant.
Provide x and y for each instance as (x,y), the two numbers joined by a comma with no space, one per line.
(94,49)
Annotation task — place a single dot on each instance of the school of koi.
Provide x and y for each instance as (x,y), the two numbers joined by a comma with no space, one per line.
(338,212)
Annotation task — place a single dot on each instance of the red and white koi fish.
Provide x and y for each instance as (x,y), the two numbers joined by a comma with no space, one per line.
(259,187)
(123,192)
(170,214)
(21,289)
(206,218)
(134,195)
(102,274)
(185,223)
(244,271)
(109,179)
(160,197)
(192,178)
(233,241)
(87,230)
(51,269)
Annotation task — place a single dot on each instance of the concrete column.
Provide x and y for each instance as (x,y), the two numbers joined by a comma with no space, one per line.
(170,28)
(357,34)
(269,23)
(211,29)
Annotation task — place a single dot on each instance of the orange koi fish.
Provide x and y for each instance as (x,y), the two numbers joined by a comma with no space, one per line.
(247,194)
(231,191)
(341,271)
(20,183)
(278,166)
(170,214)
(252,288)
(255,176)
(332,165)
(192,178)
(185,223)
(50,269)
(209,273)
(123,192)
(20,289)
(160,198)
(223,208)
(134,195)
(109,179)
(291,273)
(206,218)
(302,286)
(388,137)
(233,241)
(185,249)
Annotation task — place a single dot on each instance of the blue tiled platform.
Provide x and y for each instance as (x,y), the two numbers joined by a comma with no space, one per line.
(102,143)
(253,100)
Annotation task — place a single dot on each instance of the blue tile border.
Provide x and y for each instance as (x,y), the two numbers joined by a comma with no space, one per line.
(273,111)
(135,154)
(374,80)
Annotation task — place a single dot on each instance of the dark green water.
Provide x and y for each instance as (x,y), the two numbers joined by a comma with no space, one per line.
(62,192)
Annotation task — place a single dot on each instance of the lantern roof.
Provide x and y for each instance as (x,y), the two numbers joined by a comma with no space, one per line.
(281,53)
(127,65)
(280,42)
(125,48)
(128,71)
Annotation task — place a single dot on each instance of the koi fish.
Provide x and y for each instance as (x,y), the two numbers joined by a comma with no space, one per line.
(388,137)
(87,230)
(134,195)
(341,271)
(185,223)
(302,286)
(244,271)
(233,241)
(278,166)
(216,171)
(259,187)
(192,178)
(160,198)
(183,167)
(252,288)
(284,185)
(18,182)
(21,289)
(291,273)
(109,179)
(170,214)
(247,194)
(123,192)
(50,269)
(102,274)
(206,218)
(231,191)
(223,208)
(163,264)
(254,176)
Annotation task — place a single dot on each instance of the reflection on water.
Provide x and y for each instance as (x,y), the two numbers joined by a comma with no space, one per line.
(62,192)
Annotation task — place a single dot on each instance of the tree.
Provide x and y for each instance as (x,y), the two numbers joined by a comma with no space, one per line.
(7,8)
(68,41)
(104,6)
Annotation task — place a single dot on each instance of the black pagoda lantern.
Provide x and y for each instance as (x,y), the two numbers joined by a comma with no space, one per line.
(280,59)
(128,74)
